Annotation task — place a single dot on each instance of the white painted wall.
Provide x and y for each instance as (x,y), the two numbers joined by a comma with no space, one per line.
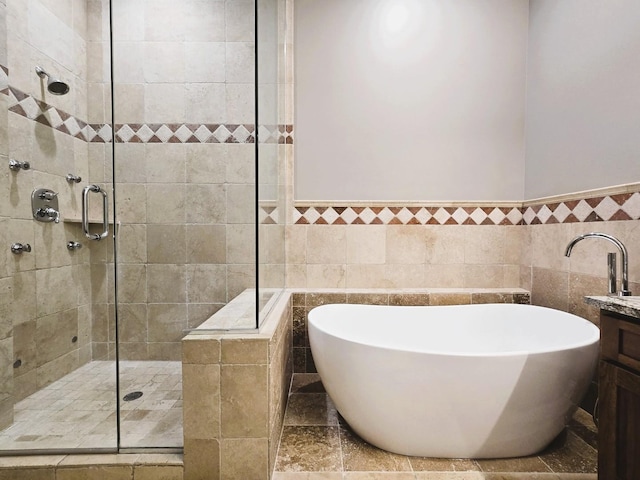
(583,95)
(410,99)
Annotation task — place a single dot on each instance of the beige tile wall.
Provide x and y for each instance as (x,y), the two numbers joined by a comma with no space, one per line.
(6,326)
(48,312)
(187,245)
(403,256)
(462,256)
(235,390)
(560,282)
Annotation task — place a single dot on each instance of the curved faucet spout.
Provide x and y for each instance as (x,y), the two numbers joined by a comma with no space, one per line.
(624,291)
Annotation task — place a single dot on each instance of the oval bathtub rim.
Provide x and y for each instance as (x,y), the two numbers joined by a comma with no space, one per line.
(594,339)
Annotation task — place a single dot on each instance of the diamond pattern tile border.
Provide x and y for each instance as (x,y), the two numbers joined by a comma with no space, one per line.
(27,106)
(594,209)
(4,80)
(624,206)
(397,215)
(268,214)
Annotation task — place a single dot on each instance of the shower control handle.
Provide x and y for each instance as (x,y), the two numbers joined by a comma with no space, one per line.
(47,195)
(44,205)
(71,245)
(71,178)
(50,213)
(16,165)
(18,248)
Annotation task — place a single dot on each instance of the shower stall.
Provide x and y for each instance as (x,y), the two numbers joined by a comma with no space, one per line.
(143,191)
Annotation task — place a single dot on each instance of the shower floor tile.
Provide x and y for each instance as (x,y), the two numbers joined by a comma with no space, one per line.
(317,444)
(79,410)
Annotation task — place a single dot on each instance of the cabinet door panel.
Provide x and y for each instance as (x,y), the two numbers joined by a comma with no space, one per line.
(619,426)
(621,339)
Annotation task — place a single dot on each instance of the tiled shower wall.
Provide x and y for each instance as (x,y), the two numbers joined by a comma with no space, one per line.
(46,299)
(185,170)
(6,327)
(184,92)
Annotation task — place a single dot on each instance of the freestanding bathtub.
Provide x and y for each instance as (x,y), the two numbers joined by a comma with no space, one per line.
(467,381)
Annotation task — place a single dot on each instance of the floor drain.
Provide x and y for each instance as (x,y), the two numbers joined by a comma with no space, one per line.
(132,396)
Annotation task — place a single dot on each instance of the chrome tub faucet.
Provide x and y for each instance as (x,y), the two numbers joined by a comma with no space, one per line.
(611,262)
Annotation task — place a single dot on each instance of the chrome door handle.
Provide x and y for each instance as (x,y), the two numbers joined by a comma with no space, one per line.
(85,212)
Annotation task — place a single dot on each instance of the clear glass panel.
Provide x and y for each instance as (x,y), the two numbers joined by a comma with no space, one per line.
(184,113)
(271,192)
(181,190)
(57,370)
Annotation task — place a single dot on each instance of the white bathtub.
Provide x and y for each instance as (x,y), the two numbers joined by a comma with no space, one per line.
(468,381)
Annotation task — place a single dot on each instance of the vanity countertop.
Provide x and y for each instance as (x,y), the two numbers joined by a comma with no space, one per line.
(625,305)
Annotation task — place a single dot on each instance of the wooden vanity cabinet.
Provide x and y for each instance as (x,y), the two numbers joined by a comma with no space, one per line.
(619,398)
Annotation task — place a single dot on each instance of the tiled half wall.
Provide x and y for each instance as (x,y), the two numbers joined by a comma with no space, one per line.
(235,390)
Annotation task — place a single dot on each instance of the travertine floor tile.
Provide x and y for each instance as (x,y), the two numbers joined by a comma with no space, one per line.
(307,383)
(357,455)
(425,464)
(522,464)
(570,454)
(379,476)
(78,410)
(310,409)
(308,450)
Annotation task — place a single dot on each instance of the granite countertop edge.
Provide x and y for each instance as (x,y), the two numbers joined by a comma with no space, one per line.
(624,305)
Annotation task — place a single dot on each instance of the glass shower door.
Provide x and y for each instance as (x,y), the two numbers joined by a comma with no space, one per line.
(57,372)
(184,172)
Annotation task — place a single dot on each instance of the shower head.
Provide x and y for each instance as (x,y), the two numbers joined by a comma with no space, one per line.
(55,86)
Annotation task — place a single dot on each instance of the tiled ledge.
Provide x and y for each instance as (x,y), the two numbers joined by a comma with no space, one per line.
(93,467)
(306,299)
(240,313)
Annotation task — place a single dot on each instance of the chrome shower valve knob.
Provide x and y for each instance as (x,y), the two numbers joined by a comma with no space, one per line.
(44,205)
(49,212)
(47,195)
(71,178)
(19,248)
(16,166)
(71,245)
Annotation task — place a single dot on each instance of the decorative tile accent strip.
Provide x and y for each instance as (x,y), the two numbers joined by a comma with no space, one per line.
(268,215)
(4,80)
(41,112)
(184,133)
(382,215)
(624,206)
(286,134)
(27,106)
